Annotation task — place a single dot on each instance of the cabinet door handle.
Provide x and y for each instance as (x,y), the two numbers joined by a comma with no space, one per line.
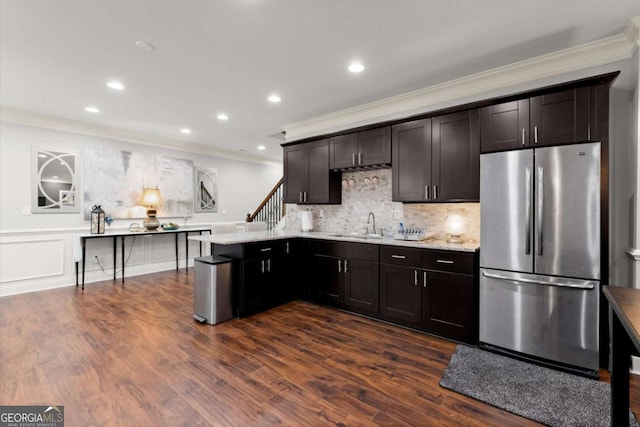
(444,261)
(399,256)
(353,159)
(540,227)
(300,198)
(523,142)
(262,266)
(305,197)
(339,266)
(415,280)
(527,211)
(426,192)
(535,134)
(286,247)
(269,265)
(435,192)
(265,249)
(424,279)
(359,158)
(346,266)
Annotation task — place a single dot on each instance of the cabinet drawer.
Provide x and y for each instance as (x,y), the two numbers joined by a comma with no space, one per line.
(455,262)
(328,247)
(362,251)
(400,256)
(264,249)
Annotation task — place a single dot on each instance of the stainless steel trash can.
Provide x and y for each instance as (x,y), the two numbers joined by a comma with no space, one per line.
(212,290)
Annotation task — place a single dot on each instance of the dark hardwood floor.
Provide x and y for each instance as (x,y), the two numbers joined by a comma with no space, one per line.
(131,355)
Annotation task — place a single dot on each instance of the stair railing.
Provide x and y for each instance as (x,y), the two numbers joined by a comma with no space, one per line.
(272,208)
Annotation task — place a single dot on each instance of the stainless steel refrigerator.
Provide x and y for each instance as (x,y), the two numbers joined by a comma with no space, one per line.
(540,253)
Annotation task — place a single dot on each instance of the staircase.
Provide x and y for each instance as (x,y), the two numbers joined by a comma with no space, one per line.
(206,199)
(272,208)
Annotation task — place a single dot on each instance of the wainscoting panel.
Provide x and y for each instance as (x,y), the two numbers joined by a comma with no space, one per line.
(31,258)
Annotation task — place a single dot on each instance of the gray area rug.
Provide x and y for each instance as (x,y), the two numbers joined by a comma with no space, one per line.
(541,394)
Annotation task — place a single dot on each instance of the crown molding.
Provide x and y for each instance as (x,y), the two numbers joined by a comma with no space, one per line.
(29,118)
(601,52)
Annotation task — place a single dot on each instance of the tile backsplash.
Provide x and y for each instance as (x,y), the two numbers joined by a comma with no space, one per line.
(370,191)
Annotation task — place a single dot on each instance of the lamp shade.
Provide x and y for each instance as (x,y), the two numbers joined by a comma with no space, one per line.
(455,224)
(150,197)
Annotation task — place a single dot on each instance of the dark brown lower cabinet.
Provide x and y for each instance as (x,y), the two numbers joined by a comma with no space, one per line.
(346,275)
(431,290)
(329,279)
(263,273)
(361,286)
(448,305)
(400,294)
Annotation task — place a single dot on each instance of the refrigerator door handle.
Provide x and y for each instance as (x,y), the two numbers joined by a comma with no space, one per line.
(540,218)
(576,284)
(527,211)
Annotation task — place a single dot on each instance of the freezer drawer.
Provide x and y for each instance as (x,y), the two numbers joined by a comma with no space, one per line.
(546,317)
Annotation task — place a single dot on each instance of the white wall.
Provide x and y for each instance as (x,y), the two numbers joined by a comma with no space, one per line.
(633,201)
(36,249)
(621,186)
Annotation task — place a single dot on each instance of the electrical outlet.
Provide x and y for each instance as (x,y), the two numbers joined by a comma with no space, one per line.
(224,211)
(321,214)
(396,214)
(26,210)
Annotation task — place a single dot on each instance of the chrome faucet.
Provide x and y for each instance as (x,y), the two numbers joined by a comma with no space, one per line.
(371,215)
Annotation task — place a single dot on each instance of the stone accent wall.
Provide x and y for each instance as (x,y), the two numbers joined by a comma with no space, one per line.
(370,191)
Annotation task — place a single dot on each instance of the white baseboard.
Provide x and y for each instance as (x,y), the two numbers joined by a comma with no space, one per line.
(20,287)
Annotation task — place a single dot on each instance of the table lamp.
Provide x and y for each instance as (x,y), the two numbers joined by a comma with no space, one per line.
(455,227)
(150,199)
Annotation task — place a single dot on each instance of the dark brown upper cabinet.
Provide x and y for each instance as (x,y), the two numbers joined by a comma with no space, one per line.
(359,149)
(411,170)
(437,159)
(551,119)
(307,177)
(455,173)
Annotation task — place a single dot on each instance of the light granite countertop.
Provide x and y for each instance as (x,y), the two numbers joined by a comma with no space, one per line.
(261,236)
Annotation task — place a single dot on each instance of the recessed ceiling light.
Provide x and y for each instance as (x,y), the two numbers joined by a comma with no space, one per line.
(274,98)
(222,116)
(261,147)
(185,130)
(92,110)
(44,156)
(55,177)
(115,85)
(356,67)
(145,46)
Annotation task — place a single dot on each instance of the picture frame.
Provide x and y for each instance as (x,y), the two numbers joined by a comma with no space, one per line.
(55,180)
(206,190)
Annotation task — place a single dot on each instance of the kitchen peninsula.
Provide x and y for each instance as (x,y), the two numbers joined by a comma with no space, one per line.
(429,285)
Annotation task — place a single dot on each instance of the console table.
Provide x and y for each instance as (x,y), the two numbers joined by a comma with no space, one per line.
(625,340)
(124,234)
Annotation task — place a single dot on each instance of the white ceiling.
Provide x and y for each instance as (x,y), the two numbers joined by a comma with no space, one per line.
(227,56)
